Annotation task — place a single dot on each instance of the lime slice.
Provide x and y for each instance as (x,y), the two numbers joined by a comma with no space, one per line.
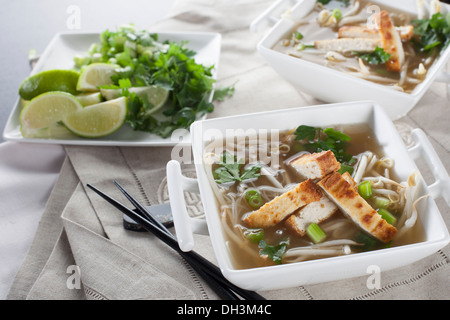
(88,99)
(45,110)
(154,95)
(55,131)
(49,80)
(95,75)
(98,120)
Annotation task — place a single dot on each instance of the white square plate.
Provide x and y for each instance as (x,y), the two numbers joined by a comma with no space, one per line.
(59,54)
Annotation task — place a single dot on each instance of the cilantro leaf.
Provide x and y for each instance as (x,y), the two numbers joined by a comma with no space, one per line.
(432,33)
(305,132)
(379,56)
(273,252)
(229,170)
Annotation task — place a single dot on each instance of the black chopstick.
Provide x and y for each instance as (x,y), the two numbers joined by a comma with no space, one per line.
(193,257)
(206,269)
(222,291)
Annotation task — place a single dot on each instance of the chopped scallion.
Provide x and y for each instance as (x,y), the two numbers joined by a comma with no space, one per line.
(386,215)
(254,235)
(297,35)
(381,202)
(365,189)
(301,46)
(315,233)
(253,198)
(251,193)
(255,202)
(337,14)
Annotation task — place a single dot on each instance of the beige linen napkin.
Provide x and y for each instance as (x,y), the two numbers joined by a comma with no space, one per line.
(80,230)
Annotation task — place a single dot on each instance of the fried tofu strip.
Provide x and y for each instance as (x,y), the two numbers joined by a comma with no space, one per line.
(315,212)
(392,43)
(406,32)
(316,165)
(349,44)
(356,208)
(282,206)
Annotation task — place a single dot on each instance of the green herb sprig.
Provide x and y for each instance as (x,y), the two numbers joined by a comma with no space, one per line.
(273,252)
(230,170)
(432,33)
(378,56)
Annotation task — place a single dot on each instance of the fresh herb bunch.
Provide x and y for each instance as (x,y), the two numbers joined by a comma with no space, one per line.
(379,56)
(318,139)
(432,33)
(230,170)
(144,61)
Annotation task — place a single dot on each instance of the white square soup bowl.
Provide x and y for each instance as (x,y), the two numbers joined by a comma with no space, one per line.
(326,269)
(330,85)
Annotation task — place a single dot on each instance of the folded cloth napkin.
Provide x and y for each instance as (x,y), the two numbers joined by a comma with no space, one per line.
(82,251)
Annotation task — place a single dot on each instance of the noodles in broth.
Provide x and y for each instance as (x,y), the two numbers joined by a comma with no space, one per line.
(343,236)
(345,36)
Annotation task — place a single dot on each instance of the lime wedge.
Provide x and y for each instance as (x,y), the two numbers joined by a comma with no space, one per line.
(98,120)
(49,80)
(88,99)
(45,110)
(95,75)
(155,96)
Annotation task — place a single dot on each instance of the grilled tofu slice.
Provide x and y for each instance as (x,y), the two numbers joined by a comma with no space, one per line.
(392,43)
(315,212)
(406,32)
(356,208)
(349,44)
(282,206)
(316,165)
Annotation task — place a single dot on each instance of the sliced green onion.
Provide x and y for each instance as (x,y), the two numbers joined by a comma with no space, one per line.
(254,235)
(365,190)
(386,215)
(254,199)
(251,193)
(315,233)
(337,14)
(297,35)
(381,202)
(301,46)
(255,202)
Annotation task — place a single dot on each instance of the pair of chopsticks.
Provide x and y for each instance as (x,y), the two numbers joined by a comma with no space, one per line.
(207,270)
